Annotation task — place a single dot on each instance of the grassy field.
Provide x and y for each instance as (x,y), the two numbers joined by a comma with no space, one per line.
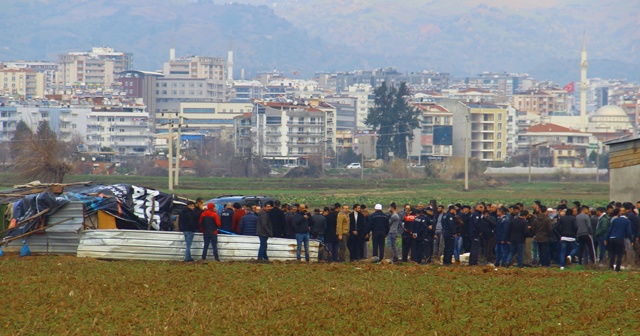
(68,295)
(326,191)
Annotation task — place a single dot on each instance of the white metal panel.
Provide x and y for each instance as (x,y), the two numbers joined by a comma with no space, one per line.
(154,245)
(59,239)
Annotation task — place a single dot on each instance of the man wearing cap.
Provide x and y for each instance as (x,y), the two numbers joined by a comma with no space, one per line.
(380,229)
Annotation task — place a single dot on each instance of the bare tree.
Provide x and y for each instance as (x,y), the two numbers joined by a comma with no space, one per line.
(42,155)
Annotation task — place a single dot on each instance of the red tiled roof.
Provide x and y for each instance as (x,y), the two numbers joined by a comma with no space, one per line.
(474,90)
(430,106)
(550,128)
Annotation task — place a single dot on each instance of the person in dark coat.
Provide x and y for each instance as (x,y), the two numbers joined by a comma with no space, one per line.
(502,237)
(264,230)
(239,212)
(302,224)
(518,233)
(249,224)
(418,234)
(331,234)
(209,224)
(475,233)
(277,217)
(448,234)
(319,224)
(379,230)
(226,218)
(357,225)
(188,224)
(619,230)
(290,229)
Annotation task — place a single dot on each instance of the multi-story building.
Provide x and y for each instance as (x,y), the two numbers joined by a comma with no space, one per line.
(48,69)
(282,132)
(143,85)
(434,138)
(65,122)
(247,91)
(470,94)
(484,125)
(294,89)
(96,69)
(417,81)
(22,82)
(502,85)
(346,112)
(124,130)
(210,119)
(544,103)
(553,145)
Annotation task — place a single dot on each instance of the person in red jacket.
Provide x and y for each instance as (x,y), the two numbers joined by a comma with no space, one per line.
(237,216)
(209,224)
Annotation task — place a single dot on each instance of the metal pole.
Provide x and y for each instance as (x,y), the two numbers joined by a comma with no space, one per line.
(598,163)
(466,153)
(530,150)
(178,150)
(362,164)
(170,164)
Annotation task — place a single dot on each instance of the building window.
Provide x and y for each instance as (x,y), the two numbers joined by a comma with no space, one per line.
(499,155)
(122,119)
(499,116)
(122,130)
(447,120)
(111,129)
(427,130)
(428,120)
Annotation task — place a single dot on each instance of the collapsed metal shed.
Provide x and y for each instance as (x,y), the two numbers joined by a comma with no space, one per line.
(167,245)
(62,238)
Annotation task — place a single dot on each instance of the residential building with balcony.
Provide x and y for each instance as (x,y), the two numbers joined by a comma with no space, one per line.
(65,122)
(553,145)
(22,82)
(96,69)
(541,102)
(126,130)
(48,69)
(283,132)
(434,138)
(484,125)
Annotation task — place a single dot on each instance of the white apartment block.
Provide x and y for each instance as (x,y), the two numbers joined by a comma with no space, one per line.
(434,137)
(123,129)
(66,122)
(98,68)
(364,101)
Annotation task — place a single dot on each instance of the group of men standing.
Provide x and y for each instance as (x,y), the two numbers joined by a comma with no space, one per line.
(561,235)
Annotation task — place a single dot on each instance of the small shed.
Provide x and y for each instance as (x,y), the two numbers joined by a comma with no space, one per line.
(624,170)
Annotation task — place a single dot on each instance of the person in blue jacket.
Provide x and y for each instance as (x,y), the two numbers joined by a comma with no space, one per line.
(448,233)
(502,237)
(619,229)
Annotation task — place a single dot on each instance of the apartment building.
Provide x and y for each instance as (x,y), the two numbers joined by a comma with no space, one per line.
(98,68)
(541,102)
(434,138)
(48,69)
(65,122)
(124,130)
(22,83)
(483,125)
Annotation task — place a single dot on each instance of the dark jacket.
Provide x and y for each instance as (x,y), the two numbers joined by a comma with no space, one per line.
(301,224)
(448,225)
(289,226)
(620,228)
(635,223)
(407,223)
(276,215)
(330,231)
(209,222)
(419,227)
(249,224)
(226,220)
(319,225)
(519,231)
(475,229)
(379,222)
(264,228)
(542,227)
(567,226)
(187,221)
(502,229)
(360,225)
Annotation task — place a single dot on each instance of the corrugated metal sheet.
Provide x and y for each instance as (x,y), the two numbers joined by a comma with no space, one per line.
(60,239)
(154,245)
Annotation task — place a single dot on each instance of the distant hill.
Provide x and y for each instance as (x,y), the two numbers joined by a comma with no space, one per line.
(540,37)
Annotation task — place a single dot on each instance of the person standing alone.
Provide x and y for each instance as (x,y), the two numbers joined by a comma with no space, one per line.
(188,224)
(209,224)
(264,230)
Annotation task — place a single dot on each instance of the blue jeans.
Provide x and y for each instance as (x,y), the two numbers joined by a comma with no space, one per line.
(601,248)
(457,247)
(564,247)
(516,248)
(300,238)
(502,253)
(262,250)
(188,240)
(534,252)
(213,241)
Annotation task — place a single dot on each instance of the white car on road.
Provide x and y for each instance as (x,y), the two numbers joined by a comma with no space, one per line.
(354,165)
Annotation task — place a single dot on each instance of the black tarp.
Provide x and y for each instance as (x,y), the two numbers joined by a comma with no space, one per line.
(133,206)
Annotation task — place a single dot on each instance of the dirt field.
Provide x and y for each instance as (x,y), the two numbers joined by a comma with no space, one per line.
(69,295)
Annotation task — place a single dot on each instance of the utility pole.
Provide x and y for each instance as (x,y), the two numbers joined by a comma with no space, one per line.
(466,153)
(530,150)
(178,148)
(170,155)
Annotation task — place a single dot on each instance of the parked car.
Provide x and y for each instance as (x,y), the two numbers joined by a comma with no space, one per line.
(220,201)
(354,165)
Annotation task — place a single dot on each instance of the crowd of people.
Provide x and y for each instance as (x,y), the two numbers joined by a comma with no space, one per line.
(495,233)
